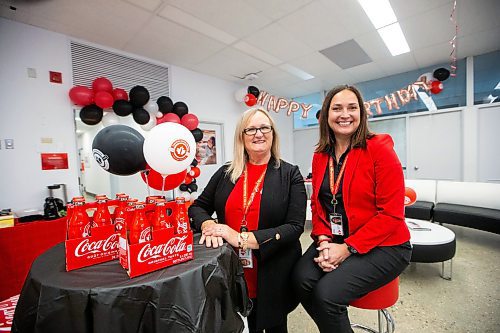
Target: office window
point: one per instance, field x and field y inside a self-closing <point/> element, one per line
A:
<point x="487" y="78"/>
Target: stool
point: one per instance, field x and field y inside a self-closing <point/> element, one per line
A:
<point x="380" y="299"/>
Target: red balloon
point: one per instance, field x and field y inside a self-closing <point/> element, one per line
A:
<point x="155" y="179"/>
<point x="81" y="95"/>
<point x="195" y="172"/>
<point x="169" y="118"/>
<point x="119" y="93"/>
<point x="410" y="196"/>
<point x="188" y="180"/>
<point x="190" y="121"/>
<point x="103" y="99"/>
<point x="436" y="87"/>
<point x="102" y="84"/>
<point x="250" y="100"/>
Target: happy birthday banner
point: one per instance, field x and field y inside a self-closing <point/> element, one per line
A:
<point x="393" y="100"/>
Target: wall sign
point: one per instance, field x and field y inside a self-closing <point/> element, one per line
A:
<point x="54" y="161"/>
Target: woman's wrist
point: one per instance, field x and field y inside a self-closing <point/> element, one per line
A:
<point x="323" y="238"/>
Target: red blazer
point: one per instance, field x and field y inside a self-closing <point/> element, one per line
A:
<point x="373" y="192"/>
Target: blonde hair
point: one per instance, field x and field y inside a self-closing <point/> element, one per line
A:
<point x="237" y="165"/>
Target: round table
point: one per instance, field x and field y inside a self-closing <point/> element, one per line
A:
<point x="432" y="243"/>
<point x="201" y="295"/>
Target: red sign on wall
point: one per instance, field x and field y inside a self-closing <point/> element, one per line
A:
<point x="54" y="161"/>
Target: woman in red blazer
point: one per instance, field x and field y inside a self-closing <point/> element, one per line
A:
<point x="361" y="241"/>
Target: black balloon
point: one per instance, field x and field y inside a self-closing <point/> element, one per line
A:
<point x="254" y="91"/>
<point x="122" y="107"/>
<point x="118" y="150"/>
<point x="180" y="109"/>
<point x="141" y="116"/>
<point x="193" y="187"/>
<point x="183" y="187"/>
<point x="195" y="162"/>
<point x="165" y="104"/>
<point x="317" y="114"/>
<point x="138" y="96"/>
<point x="91" y="114"/>
<point x="198" y="134"/>
<point x="441" y="74"/>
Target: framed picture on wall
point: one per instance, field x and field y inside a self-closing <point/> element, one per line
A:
<point x="210" y="149"/>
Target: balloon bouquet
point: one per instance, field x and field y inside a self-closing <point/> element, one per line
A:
<point x="248" y="95"/>
<point x="165" y="158"/>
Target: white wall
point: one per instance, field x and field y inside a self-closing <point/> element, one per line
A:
<point x="34" y="108"/>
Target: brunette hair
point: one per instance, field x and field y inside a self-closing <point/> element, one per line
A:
<point x="326" y="141"/>
<point x="237" y="165"/>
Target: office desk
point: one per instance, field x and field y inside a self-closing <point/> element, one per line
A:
<point x="20" y="245"/>
<point x="201" y="295"/>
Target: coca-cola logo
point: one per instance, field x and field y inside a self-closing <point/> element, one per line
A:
<point x="174" y="245"/>
<point x="87" y="247"/>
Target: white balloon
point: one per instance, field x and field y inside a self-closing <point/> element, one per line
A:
<point x="110" y="118"/>
<point x="427" y="77"/>
<point x="159" y="114"/>
<point x="240" y="94"/>
<point x="151" y="107"/>
<point x="186" y="196"/>
<point x="150" y="124"/>
<point x="169" y="148"/>
<point x="194" y="196"/>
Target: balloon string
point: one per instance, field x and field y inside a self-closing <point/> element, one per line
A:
<point x="146" y="172"/>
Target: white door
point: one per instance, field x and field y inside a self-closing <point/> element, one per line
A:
<point x="488" y="139"/>
<point x="435" y="146"/>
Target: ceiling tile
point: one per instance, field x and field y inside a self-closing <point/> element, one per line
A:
<point x="277" y="9"/>
<point x="275" y="77"/>
<point x="149" y="5"/>
<point x="315" y="64"/>
<point x="398" y="64"/>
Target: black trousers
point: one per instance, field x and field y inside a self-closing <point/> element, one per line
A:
<point x="252" y="322"/>
<point x="325" y="296"/>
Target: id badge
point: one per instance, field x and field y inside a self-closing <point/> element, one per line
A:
<point x="336" y="224"/>
<point x="246" y="258"/>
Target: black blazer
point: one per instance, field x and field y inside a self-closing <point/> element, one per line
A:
<point x="281" y="222"/>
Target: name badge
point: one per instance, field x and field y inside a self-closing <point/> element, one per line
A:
<point x="246" y="258"/>
<point x="336" y="224"/>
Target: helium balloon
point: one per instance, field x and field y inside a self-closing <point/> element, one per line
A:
<point x="250" y="100"/>
<point x="150" y="124"/>
<point x="91" y="114"/>
<point x="410" y="196"/>
<point x="198" y="134"/>
<point x="180" y="109"/>
<point x="155" y="180"/>
<point x="169" y="148"/>
<point x="141" y="116"/>
<point x="254" y="91"/>
<point x="103" y="99"/>
<point x="190" y="121"/>
<point x="436" y="87"/>
<point x="139" y="96"/>
<point x="118" y="149"/>
<point x="122" y="108"/>
<point x="183" y="187"/>
<point x="441" y="74"/>
<point x="165" y="104"/>
<point x="109" y="119"/>
<point x="152" y="108"/>
<point x="192" y="187"/>
<point x="188" y="180"/>
<point x="81" y="95"/>
<point x="194" y="172"/>
<point x="195" y="162"/>
<point x="119" y="93"/>
<point x="169" y="118"/>
<point x="239" y="95"/>
<point x="102" y="84"/>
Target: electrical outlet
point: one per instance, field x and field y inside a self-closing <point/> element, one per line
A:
<point x="31" y="73"/>
<point x="9" y="143"/>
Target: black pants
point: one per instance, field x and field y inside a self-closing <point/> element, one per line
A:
<point x="252" y="322"/>
<point x="325" y="296"/>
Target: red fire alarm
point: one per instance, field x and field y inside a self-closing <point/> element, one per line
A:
<point x="55" y="77"/>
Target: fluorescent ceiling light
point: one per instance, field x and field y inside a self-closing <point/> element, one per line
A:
<point x="394" y="39"/>
<point x="379" y="12"/>
<point x="257" y="53"/>
<point x="296" y="71"/>
<point x="176" y="15"/>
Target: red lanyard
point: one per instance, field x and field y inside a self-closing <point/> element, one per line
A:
<point x="246" y="204"/>
<point x="334" y="187"/>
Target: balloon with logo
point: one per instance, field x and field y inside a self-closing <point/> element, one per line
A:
<point x="118" y="150"/>
<point x="169" y="148"/>
<point x="410" y="196"/>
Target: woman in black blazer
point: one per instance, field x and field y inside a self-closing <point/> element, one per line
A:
<point x="260" y="201"/>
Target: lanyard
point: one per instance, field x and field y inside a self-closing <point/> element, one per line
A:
<point x="335" y="184"/>
<point x="246" y="204"/>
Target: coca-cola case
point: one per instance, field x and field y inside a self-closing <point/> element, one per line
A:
<point x="165" y="249"/>
<point x="100" y="247"/>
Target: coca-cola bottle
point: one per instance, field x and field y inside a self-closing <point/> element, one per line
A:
<point x="78" y="223"/>
<point x="101" y="215"/>
<point x="181" y="216"/>
<point x="160" y="218"/>
<point x="120" y="214"/>
<point x="140" y="230"/>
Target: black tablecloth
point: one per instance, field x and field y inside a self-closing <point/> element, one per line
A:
<point x="201" y="295"/>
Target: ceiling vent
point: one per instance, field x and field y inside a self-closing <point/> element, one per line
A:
<point x="347" y="54"/>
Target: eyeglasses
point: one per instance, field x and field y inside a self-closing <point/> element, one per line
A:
<point x="252" y="130"/>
